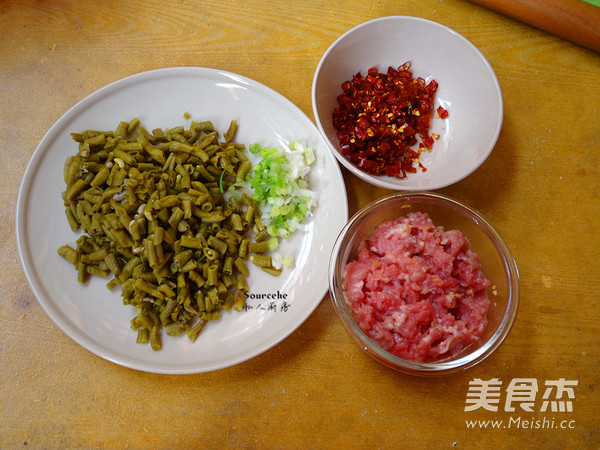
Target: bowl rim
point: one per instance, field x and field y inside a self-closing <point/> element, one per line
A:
<point x="382" y="180"/>
<point x="442" y="367"/>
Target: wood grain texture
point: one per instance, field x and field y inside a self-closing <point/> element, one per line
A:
<point x="540" y="187"/>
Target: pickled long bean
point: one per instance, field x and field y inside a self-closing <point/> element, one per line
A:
<point x="153" y="215"/>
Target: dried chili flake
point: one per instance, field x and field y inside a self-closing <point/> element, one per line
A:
<point x="442" y="113"/>
<point x="382" y="117"/>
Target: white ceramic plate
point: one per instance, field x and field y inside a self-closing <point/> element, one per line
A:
<point x="94" y="316"/>
<point x="468" y="89"/>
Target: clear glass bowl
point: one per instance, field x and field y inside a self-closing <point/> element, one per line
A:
<point x="497" y="262"/>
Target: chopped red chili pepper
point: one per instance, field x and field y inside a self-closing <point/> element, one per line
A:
<point x="442" y="113"/>
<point x="379" y="118"/>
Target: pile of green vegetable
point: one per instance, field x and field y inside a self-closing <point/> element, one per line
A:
<point x="279" y="181"/>
<point x="164" y="213"/>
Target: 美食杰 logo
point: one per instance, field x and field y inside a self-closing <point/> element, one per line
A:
<point x="551" y="402"/>
<point x="557" y="396"/>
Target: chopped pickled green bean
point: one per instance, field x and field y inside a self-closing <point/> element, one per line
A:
<point x="161" y="215"/>
<point x="230" y="133"/>
<point x="262" y="260"/>
<point x="69" y="254"/>
<point x="272" y="271"/>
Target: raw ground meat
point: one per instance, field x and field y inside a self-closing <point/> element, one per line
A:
<point x="417" y="290"/>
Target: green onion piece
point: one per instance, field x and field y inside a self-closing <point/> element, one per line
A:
<point x="279" y="180"/>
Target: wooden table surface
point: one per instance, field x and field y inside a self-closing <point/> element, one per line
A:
<point x="540" y="187"/>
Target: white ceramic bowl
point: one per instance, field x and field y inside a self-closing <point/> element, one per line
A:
<point x="468" y="89"/>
